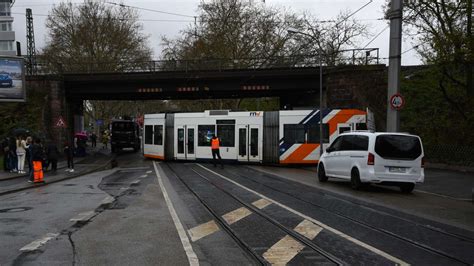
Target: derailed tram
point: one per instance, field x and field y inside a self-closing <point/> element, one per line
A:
<point x="273" y="137"/>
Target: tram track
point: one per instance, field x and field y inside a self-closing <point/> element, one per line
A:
<point x="378" y="229"/>
<point x="222" y="223"/>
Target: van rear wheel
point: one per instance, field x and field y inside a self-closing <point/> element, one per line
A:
<point x="322" y="173"/>
<point x="356" y="184"/>
<point x="407" y="187"/>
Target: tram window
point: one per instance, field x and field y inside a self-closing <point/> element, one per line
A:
<point x="226" y="134"/>
<point x="313" y="133"/>
<point x="148" y="134"/>
<point x="205" y="133"/>
<point x="158" y="136"/>
<point x="293" y="133"/>
<point x="254" y="141"/>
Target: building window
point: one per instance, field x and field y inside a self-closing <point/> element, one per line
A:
<point x="5" y="26"/>
<point x="6" y="45"/>
<point x="5" y="9"/>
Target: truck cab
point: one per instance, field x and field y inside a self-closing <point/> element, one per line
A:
<point x="124" y="134"/>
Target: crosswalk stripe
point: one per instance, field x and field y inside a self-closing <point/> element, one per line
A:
<point x="308" y="229"/>
<point x="202" y="230"/>
<point x="236" y="215"/>
<point x="261" y="203"/>
<point x="283" y="251"/>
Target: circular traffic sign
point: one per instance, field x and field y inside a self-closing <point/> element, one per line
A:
<point x="397" y="101"/>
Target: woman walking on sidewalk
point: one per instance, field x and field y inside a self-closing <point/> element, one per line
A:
<point x="21" y="154"/>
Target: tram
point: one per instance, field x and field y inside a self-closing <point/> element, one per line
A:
<point x="274" y="137"/>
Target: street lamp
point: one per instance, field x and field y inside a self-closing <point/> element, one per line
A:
<point x="320" y="90"/>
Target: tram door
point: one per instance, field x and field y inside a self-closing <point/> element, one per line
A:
<point x="249" y="150"/>
<point x="186" y="142"/>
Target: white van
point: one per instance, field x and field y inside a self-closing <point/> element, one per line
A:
<point x="381" y="158"/>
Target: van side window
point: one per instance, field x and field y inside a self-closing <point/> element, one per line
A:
<point x="336" y="145"/>
<point x="346" y="143"/>
<point x="360" y="143"/>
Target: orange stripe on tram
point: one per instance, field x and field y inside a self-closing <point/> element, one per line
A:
<point x="300" y="153"/>
<point x="342" y="117"/>
<point x="154" y="156"/>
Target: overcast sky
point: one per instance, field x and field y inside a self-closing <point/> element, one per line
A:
<point x="323" y="9"/>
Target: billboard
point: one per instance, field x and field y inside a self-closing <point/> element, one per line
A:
<point x="12" y="79"/>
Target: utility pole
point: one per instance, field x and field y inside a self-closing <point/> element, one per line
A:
<point x="470" y="55"/>
<point x="30" y="44"/>
<point x="394" y="66"/>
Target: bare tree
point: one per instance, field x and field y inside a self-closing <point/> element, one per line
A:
<point x="94" y="37"/>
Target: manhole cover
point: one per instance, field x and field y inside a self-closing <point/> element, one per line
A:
<point x="17" y="209"/>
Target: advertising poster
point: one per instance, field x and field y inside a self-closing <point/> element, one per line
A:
<point x="12" y="79"/>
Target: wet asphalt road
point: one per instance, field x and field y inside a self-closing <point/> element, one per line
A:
<point x="232" y="216"/>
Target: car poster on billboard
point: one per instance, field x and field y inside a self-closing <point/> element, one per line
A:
<point x="12" y="79"/>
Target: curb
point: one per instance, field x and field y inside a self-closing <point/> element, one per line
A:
<point x="104" y="166"/>
<point x="442" y="166"/>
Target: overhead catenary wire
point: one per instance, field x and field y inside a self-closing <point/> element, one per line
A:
<point x="151" y="10"/>
<point x="376" y="36"/>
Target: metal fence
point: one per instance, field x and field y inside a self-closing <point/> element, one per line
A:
<point x="366" y="56"/>
<point x="450" y="154"/>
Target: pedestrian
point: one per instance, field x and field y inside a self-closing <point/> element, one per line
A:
<point x="13" y="160"/>
<point x="37" y="155"/>
<point x="215" y="145"/>
<point x="29" y="157"/>
<point x="94" y="140"/>
<point x="105" y="139"/>
<point x="6" y="151"/>
<point x="21" y="154"/>
<point x="69" y="152"/>
<point x="52" y="154"/>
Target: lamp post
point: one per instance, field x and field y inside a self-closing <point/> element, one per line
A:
<point x="320" y="90"/>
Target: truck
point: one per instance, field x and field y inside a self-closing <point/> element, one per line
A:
<point x="124" y="134"/>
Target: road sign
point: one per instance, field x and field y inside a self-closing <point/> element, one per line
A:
<point x="60" y="123"/>
<point x="99" y="122"/>
<point x="397" y="101"/>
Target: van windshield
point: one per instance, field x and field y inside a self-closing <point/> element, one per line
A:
<point x="398" y="147"/>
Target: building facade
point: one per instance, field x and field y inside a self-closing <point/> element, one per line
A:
<point x="7" y="35"/>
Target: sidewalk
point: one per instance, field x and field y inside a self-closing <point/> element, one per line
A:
<point x="96" y="159"/>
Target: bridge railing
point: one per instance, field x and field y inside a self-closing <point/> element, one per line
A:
<point x="352" y="57"/>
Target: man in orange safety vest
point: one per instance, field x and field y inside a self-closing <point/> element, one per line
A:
<point x="215" y="144"/>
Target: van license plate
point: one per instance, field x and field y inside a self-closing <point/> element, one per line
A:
<point x="397" y="169"/>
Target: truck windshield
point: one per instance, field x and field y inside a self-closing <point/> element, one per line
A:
<point x="398" y="147"/>
<point x="122" y="126"/>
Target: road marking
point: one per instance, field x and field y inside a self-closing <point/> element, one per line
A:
<point x="135" y="183"/>
<point x="444" y="196"/>
<point x="236" y="215"/>
<point x="203" y="230"/>
<point x="188" y="248"/>
<point x="261" y="203"/>
<point x="38" y="243"/>
<point x="308" y="229"/>
<point x="83" y="217"/>
<point x="283" y="251"/>
<point x="333" y="230"/>
<point x="149" y="172"/>
<point x="143" y="176"/>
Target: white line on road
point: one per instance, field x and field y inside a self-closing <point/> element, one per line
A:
<point x="149" y="172"/>
<point x="135" y="183"/>
<point x="38" y="243"/>
<point x="143" y="176"/>
<point x="335" y="231"/>
<point x="188" y="248"/>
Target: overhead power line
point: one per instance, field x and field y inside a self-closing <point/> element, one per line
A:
<point x="376" y="36"/>
<point x="355" y="12"/>
<point x="151" y="10"/>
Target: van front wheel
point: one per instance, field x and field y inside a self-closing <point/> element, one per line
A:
<point x="355" y="179"/>
<point x="407" y="187"/>
<point x="322" y="173"/>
